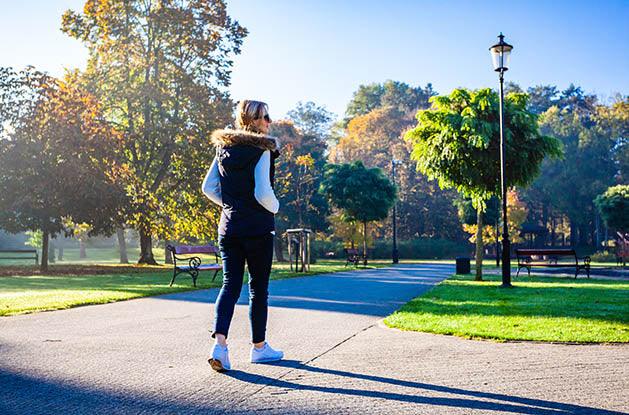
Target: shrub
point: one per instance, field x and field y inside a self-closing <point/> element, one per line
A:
<point x="603" y="256"/>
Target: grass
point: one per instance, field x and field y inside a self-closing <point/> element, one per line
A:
<point x="24" y="290"/>
<point x="547" y="309"/>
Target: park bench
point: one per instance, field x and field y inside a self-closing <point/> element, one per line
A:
<point x="20" y="254"/>
<point x="354" y="256"/>
<point x="528" y="258"/>
<point x="192" y="264"/>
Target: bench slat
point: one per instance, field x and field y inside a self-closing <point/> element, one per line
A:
<point x="202" y="249"/>
<point x="21" y="257"/>
<point x="545" y="252"/>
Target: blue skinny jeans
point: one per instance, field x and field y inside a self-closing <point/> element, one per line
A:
<point x="257" y="252"/>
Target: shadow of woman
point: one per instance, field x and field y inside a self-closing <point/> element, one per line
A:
<point x="471" y="399"/>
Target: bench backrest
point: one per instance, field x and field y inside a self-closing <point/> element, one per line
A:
<point x="528" y="252"/>
<point x="19" y="251"/>
<point x="194" y="249"/>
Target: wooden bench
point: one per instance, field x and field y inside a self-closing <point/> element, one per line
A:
<point x="352" y="256"/>
<point x="32" y="254"/>
<point x="549" y="258"/>
<point x="355" y="256"/>
<point x="193" y="264"/>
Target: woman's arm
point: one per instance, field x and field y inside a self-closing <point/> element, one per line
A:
<point x="212" y="184"/>
<point x="263" y="191"/>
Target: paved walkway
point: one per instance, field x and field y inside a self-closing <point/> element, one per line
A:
<point x="149" y="356"/>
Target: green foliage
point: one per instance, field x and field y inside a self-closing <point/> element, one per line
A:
<point x="394" y="94"/>
<point x="457" y="142"/>
<point x="467" y="212"/>
<point x="603" y="256"/>
<point x="589" y="138"/>
<point x="363" y="194"/>
<point x="613" y="206"/>
<point x="421" y="248"/>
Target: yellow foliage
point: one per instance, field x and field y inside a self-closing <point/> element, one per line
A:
<point x="517" y="213"/>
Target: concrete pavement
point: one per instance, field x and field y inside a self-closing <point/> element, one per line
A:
<point x="149" y="356"/>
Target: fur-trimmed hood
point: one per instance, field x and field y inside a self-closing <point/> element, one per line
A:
<point x="229" y="138"/>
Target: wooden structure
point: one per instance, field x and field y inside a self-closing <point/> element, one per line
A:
<point x="299" y="249"/>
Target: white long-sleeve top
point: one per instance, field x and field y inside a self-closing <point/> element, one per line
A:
<point x="263" y="191"/>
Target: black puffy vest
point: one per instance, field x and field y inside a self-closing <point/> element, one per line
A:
<point x="242" y="215"/>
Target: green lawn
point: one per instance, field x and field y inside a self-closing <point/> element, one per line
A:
<point x="21" y="294"/>
<point x="538" y="308"/>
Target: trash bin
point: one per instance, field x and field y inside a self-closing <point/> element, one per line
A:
<point x="462" y="265"/>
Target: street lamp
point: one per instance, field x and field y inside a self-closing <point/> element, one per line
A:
<point x="500" y="53"/>
<point x="395" y="256"/>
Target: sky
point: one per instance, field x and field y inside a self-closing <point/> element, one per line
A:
<point x="322" y="50"/>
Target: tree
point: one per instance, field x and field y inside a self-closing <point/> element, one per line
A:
<point x="613" y="206"/>
<point x="161" y="69"/>
<point x="56" y="156"/>
<point x="299" y="172"/>
<point x="588" y="165"/>
<point x="312" y="120"/>
<point x="362" y="194"/>
<point x="377" y="137"/>
<point x="398" y="95"/>
<point x="456" y="142"/>
<point x="491" y="217"/>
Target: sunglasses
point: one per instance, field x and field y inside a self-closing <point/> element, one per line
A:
<point x="266" y="118"/>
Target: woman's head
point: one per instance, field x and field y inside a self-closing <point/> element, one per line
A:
<point x="253" y="116"/>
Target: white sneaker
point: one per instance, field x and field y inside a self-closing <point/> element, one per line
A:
<point x="220" y="358"/>
<point x="265" y="354"/>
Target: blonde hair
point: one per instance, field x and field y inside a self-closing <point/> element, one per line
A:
<point x="247" y="112"/>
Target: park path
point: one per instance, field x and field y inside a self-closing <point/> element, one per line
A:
<point x="149" y="356"/>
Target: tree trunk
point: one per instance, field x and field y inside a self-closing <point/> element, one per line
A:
<point x="122" y="246"/>
<point x="168" y="255"/>
<point x="574" y="237"/>
<point x="44" y="251"/>
<point x="146" y="249"/>
<point x="51" y="252"/>
<point x="553" y="226"/>
<point x="82" y="253"/>
<point x="278" y="247"/>
<point x="497" y="244"/>
<point x="365" y="243"/>
<point x="479" y="244"/>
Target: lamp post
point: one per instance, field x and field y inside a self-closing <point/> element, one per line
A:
<point x="500" y="53"/>
<point x="395" y="256"/>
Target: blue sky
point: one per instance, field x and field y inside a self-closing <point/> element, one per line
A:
<point x="323" y="50"/>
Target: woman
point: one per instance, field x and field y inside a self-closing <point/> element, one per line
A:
<point x="240" y="181"/>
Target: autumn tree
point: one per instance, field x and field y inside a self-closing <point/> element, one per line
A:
<point x="299" y="172"/>
<point x="457" y="143"/>
<point x="376" y="138"/>
<point x="161" y="69"/>
<point x="56" y="156"/>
